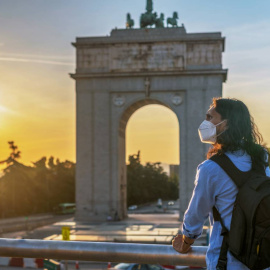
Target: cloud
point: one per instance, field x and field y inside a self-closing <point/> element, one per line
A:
<point x="247" y="58"/>
<point x="252" y="33"/>
<point x="36" y="56"/>
<point x="38" y="61"/>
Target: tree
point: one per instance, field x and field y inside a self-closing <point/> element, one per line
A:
<point x="26" y="190"/>
<point x="14" y="155"/>
<point x="149" y="182"/>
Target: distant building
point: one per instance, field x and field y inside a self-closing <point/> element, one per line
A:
<point x="165" y="167"/>
<point x="174" y="169"/>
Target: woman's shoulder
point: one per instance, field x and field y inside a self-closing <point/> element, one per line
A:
<point x="208" y="166"/>
<point x="209" y="173"/>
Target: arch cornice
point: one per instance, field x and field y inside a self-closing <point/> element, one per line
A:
<point x="201" y="72"/>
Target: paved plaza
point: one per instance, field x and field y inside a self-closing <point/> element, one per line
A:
<point x="155" y="228"/>
<point x="137" y="228"/>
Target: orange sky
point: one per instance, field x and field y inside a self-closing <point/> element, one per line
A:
<point x="37" y="110"/>
<point x="38" y="113"/>
<point x="154" y="130"/>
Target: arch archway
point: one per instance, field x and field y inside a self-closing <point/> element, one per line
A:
<point x="125" y="118"/>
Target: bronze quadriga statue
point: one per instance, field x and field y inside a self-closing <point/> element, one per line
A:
<point x="150" y="18"/>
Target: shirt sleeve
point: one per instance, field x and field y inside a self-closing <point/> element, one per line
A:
<point x="200" y="205"/>
<point x="267" y="170"/>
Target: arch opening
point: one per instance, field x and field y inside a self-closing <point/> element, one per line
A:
<point x="157" y="128"/>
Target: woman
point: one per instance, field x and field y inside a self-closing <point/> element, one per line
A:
<point x="231" y="130"/>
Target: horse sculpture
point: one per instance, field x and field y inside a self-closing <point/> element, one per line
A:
<point x="130" y="22"/>
<point x="159" y="22"/>
<point x="173" y="20"/>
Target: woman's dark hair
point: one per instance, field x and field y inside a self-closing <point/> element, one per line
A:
<point x="241" y="133"/>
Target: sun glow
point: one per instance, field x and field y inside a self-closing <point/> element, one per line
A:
<point x="3" y="109"/>
<point x="154" y="130"/>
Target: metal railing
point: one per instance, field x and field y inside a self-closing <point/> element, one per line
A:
<point x="101" y="252"/>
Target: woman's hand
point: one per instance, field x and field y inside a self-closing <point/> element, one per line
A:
<point x="182" y="243"/>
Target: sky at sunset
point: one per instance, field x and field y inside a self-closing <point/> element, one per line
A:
<point x="37" y="96"/>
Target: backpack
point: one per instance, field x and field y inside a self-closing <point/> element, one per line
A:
<point x="249" y="237"/>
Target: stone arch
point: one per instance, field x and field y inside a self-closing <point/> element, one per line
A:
<point x="134" y="106"/>
<point x="117" y="74"/>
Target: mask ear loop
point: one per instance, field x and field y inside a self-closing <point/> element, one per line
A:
<point x="224" y="129"/>
<point x="220" y="122"/>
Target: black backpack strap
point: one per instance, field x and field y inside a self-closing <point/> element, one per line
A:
<point x="238" y="177"/>
<point x="222" y="260"/>
<point x="258" y="168"/>
<point x="233" y="172"/>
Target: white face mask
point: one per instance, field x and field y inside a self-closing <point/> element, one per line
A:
<point x="208" y="132"/>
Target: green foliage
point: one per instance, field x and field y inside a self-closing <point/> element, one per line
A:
<point x="15" y="154"/>
<point x="148" y="183"/>
<point x="26" y="190"/>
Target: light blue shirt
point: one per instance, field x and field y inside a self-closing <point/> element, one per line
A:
<point x="213" y="187"/>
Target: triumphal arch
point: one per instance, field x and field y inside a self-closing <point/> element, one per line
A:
<point x="118" y="74"/>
